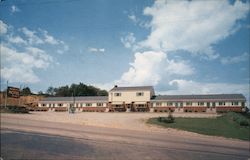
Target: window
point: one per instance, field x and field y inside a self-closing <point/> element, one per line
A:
<point x="200" y="103"/>
<point x="235" y="103"/>
<point x="158" y="104"/>
<point x="176" y="104"/>
<point x="53" y="105"/>
<point x="60" y="104"/>
<point x="141" y="105"/>
<point x="88" y="104"/>
<point x="99" y="104"/>
<point x="44" y="105"/>
<point x="169" y="103"/>
<point x="214" y="104"/>
<point x="118" y="94"/>
<point x="242" y="104"/>
<point x="222" y="104"/>
<point x="188" y="103"/>
<point x="181" y="104"/>
<point x="139" y="94"/>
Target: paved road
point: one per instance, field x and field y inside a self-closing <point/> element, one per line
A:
<point x="25" y="139"/>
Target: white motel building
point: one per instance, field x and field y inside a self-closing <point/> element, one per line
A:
<point x="143" y="99"/>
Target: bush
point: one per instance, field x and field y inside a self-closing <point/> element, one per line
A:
<point x="239" y="118"/>
<point x="169" y="119"/>
<point x="244" y="123"/>
<point x="14" y="109"/>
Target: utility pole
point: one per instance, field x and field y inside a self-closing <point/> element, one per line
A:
<point x="19" y="95"/>
<point x="6" y="95"/>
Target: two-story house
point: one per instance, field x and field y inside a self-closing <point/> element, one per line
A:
<point x="130" y="98"/>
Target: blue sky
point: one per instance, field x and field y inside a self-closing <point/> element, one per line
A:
<point x="180" y="47"/>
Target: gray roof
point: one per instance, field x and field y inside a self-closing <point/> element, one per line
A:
<point x="132" y="88"/>
<point x="70" y="99"/>
<point x="200" y="97"/>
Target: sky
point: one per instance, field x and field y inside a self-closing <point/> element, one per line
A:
<point x="179" y="47"/>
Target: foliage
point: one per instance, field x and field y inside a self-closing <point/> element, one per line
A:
<point x="221" y="126"/>
<point x="76" y="90"/>
<point x="26" y="91"/>
<point x="169" y="119"/>
<point x="14" y="109"/>
<point x="238" y="118"/>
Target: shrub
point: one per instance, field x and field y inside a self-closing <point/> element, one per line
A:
<point x="169" y="119"/>
<point x="15" y="109"/>
<point x="238" y="118"/>
<point x="244" y="123"/>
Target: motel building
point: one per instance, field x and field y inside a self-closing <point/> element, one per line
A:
<point x="143" y="99"/>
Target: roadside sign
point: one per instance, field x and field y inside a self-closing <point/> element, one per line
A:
<point x="13" y="92"/>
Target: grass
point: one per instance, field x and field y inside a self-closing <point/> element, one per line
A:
<point x="224" y="126"/>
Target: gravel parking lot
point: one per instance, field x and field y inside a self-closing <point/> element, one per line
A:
<point x="131" y="121"/>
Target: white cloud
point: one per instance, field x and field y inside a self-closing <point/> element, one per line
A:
<point x="16" y="40"/>
<point x="151" y="68"/>
<point x="50" y="39"/>
<point x="132" y="18"/>
<point x="32" y="37"/>
<point x="144" y="70"/>
<point x="18" y="66"/>
<point x="14" y="9"/>
<point x="3" y="27"/>
<point x="193" y="26"/>
<point x="129" y="40"/>
<point x="179" y="68"/>
<point x="19" y="74"/>
<point x="236" y="59"/>
<point x="22" y="57"/>
<point x="91" y="49"/>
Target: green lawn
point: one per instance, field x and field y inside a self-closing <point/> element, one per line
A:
<point x="224" y="126"/>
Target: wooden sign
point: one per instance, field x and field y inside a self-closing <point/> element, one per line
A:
<point x="13" y="92"/>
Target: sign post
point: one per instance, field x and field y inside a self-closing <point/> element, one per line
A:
<point x="6" y="96"/>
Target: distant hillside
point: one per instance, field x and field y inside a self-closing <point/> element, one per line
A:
<point x="30" y="100"/>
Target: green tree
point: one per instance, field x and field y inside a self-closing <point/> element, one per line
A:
<point x="50" y="91"/>
<point x="26" y="91"/>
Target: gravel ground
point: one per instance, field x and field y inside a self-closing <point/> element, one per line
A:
<point x="131" y="121"/>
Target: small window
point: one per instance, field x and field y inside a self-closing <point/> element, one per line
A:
<point x="60" y="105"/>
<point x="169" y="103"/>
<point x="235" y="103"/>
<point x="158" y="104"/>
<point x="53" y="105"/>
<point x="176" y="104"/>
<point x="99" y="104"/>
<point x="222" y="103"/>
<point x="118" y="94"/>
<point x="181" y="104"/>
<point x="139" y="94"/>
<point x="242" y="104"/>
<point x="189" y="103"/>
<point x="200" y="103"/>
<point x="88" y="104"/>
<point x="44" y="105"/>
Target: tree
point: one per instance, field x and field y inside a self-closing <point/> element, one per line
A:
<point x="51" y="91"/>
<point x="77" y="90"/>
<point x="102" y="93"/>
<point x="26" y="91"/>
